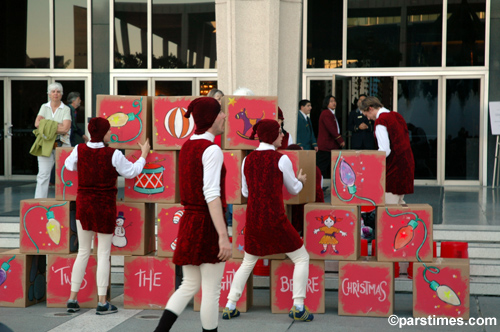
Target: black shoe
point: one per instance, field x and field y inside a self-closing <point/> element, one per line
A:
<point x="72" y="307"/>
<point x="106" y="309"/>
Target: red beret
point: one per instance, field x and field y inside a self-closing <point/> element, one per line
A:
<point x="294" y="147"/>
<point x="280" y="114"/>
<point x="267" y="130"/>
<point x="98" y="127"/>
<point x="205" y="111"/>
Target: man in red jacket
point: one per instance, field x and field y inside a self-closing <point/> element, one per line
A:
<point x="392" y="137"/>
<point x="329" y="137"/>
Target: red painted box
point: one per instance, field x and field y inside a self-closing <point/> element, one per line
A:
<point x="305" y="160"/>
<point x="445" y="293"/>
<point x="149" y="281"/>
<point x="402" y="230"/>
<point x="282" y="287"/>
<point x="22" y="279"/>
<point x="170" y="128"/>
<point x="358" y="177"/>
<point x="59" y="281"/>
<point x="66" y="181"/>
<point x="168" y="217"/>
<point x="134" y="230"/>
<point x="366" y="288"/>
<point x="232" y="161"/>
<point x="44" y="226"/>
<point x="246" y="299"/>
<point x="159" y="180"/>
<point x="239" y="222"/>
<point x="242" y="112"/>
<point x="129" y="117"/>
<point x="332" y="232"/>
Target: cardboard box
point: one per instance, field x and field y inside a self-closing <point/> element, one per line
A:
<point x="149" y="281"/>
<point x="66" y="181"/>
<point x="135" y="229"/>
<point x="239" y="223"/>
<point x="282" y="286"/>
<point x="242" y="112"/>
<point x="168" y="217"/>
<point x="446" y="293"/>
<point x="232" y="161"/>
<point x="366" y="288"/>
<point x="170" y="128"/>
<point x="22" y="279"/>
<point x="246" y="299"/>
<point x="44" y="226"/>
<point x="359" y="177"/>
<point x="59" y="273"/>
<point x="332" y="232"/>
<point x="159" y="180"/>
<point x="305" y="160"/>
<point x="130" y="119"/>
<point x="402" y="230"/>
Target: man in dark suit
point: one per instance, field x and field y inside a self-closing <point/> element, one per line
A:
<point x="74" y="102"/>
<point x="329" y="137"/>
<point x="305" y="133"/>
<point x="361" y="128"/>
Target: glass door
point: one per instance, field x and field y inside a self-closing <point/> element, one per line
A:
<point x="82" y="112"/>
<point x="4" y="129"/>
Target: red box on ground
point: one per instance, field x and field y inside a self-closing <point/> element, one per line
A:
<point x="59" y="272"/>
<point x="149" y="281"/>
<point x="445" y="293"/>
<point x="242" y="112"/>
<point x="246" y="299"/>
<point x="402" y="230"/>
<point x="232" y="161"/>
<point x="282" y="286"/>
<point x="22" y="279"/>
<point x="168" y="217"/>
<point x="358" y="178"/>
<point x="130" y="119"/>
<point x="66" y="181"/>
<point x="170" y="128"/>
<point x="305" y="160"/>
<point x="159" y="180"/>
<point x="332" y="232"/>
<point x="366" y="288"/>
<point x="44" y="226"/>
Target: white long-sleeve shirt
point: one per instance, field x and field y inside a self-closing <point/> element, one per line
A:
<point x="292" y="184"/>
<point x="124" y="167"/>
<point x="384" y="144"/>
<point x="212" y="160"/>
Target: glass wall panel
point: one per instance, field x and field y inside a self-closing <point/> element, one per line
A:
<point x="462" y="129"/>
<point x="130" y="35"/>
<point x="418" y="104"/>
<point x="465" y="32"/>
<point x="133" y="88"/>
<point x="76" y="86"/>
<point x="184" y="34"/>
<point x="324" y="33"/>
<point x="27" y="97"/>
<point x="319" y="89"/>
<point x="173" y="88"/>
<point x="2" y="131"/>
<point x="24" y="27"/>
<point x="70" y="28"/>
<point x="206" y="86"/>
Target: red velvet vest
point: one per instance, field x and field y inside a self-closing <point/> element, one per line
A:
<point x="197" y="240"/>
<point x="268" y="230"/>
<point x="96" y="197"/>
<point x="400" y="166"/>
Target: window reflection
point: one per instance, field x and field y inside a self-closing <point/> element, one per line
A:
<point x="418" y="104"/>
<point x="174" y="88"/>
<point x="462" y="129"/>
<point x="466" y="31"/>
<point x="206" y="86"/>
<point x="184" y="34"/>
<point x="133" y="88"/>
<point x="70" y="28"/>
<point x="319" y="90"/>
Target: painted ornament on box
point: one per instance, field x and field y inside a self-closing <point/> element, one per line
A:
<point x="348" y="179"/>
<point x="177" y="125"/>
<point x="121" y="120"/>
<point x="150" y="181"/>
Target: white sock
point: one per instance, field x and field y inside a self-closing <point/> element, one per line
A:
<point x="231" y="306"/>
<point x="299" y="307"/>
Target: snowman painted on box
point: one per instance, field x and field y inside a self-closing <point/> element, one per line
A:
<point x="119" y="240"/>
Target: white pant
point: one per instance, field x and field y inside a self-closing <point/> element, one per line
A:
<point x="103" y="261"/>
<point x="300" y="259"/>
<point x="390" y="198"/>
<point x="209" y="277"/>
<point x="45" y="165"/>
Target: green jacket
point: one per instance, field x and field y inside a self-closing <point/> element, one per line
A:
<point x="45" y="137"/>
